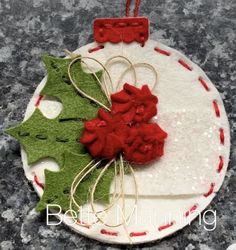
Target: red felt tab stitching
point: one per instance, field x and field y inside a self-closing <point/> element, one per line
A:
<point x="127" y="30"/>
<point x="110" y="233"/>
<point x="136" y="234"/>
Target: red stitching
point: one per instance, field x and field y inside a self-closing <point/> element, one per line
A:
<point x="135" y="24"/>
<point x="96" y="48"/>
<point x="221" y="164"/>
<point x="81" y="223"/>
<point x="110" y="233"/>
<point x="216" y="108"/>
<point x="222" y="136"/>
<point x="191" y="210"/>
<point x="123" y="25"/>
<point x="184" y="64"/>
<point x="161" y="51"/>
<point x="38" y="182"/>
<point x="119" y="25"/>
<point x="136" y="234"/>
<point x="210" y="190"/>
<point x="165" y="226"/>
<point x="108" y="25"/>
<point x="204" y="84"/>
<point x="39" y="99"/>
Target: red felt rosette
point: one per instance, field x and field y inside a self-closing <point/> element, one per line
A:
<point x="104" y="136"/>
<point x="144" y="143"/>
<point x="126" y="129"/>
<point x="133" y="104"/>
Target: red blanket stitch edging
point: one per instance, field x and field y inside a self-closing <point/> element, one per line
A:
<point x="221" y="159"/>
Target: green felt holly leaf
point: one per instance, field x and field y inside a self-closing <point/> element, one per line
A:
<point x="57" y="184"/>
<point x="59" y="138"/>
<point x="42" y="137"/>
<point x="58" y="85"/>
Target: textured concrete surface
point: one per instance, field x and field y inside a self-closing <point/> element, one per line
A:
<point x="205" y="30"/>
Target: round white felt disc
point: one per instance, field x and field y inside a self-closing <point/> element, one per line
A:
<point x="175" y="189"/>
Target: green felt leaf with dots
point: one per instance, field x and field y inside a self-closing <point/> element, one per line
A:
<point x="42" y="137"/>
<point x="58" y="85"/>
<point x="57" y="184"/>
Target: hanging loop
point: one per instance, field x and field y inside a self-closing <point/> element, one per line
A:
<point x="136" y="8"/>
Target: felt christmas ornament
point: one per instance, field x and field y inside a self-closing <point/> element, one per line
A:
<point x="126" y="132"/>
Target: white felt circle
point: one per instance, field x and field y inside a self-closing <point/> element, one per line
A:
<point x="175" y="189"/>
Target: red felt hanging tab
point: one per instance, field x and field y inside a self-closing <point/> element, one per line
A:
<point x="127" y="30"/>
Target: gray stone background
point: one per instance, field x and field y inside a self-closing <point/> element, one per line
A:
<point x="205" y="30"/>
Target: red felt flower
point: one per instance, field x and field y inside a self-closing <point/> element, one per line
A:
<point x="126" y="129"/>
<point x="104" y="136"/>
<point x="134" y="104"/>
<point x="144" y="143"/>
